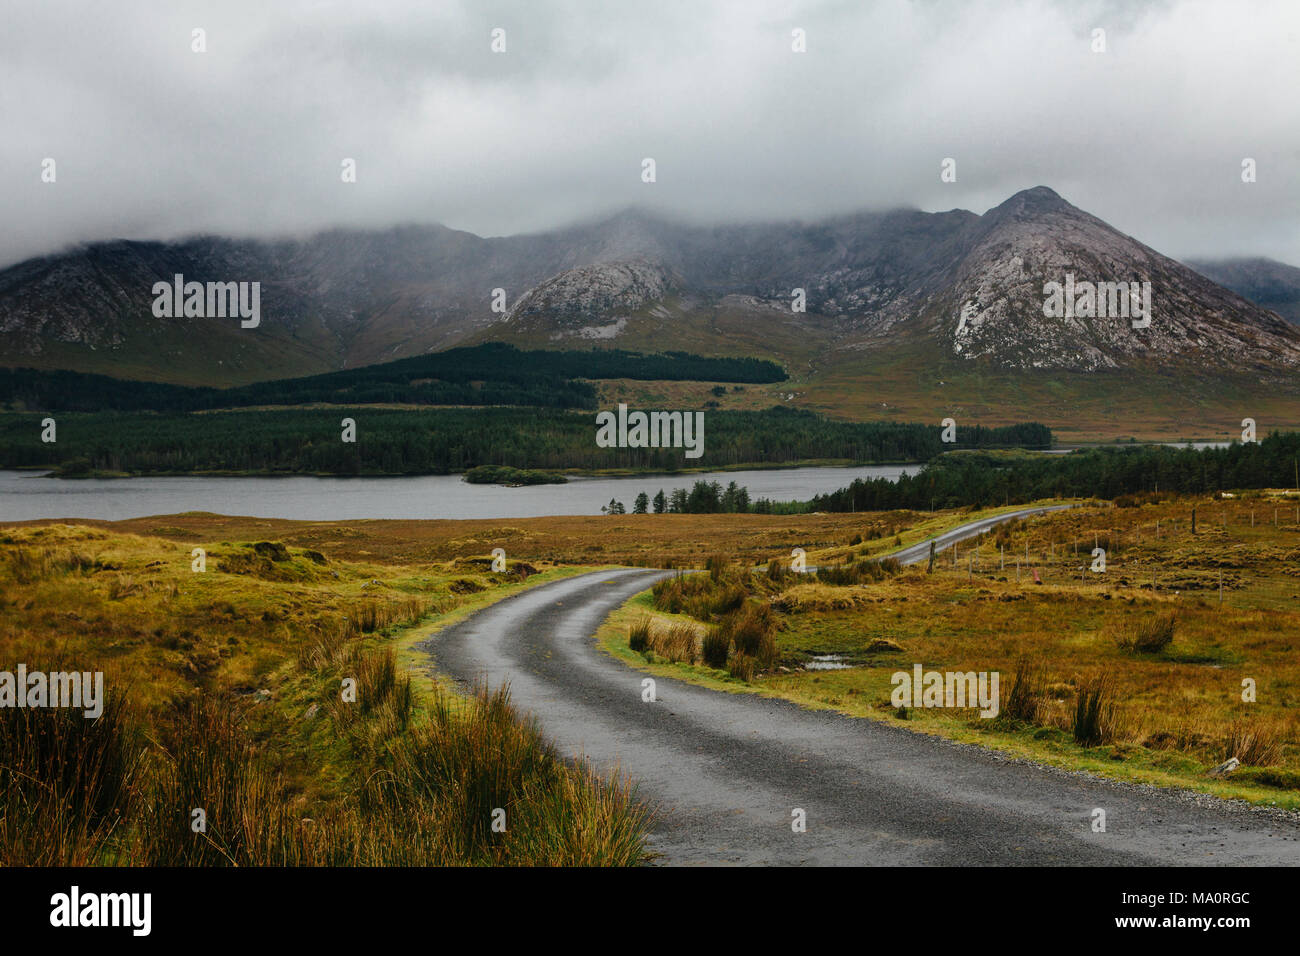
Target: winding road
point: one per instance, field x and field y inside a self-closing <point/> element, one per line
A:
<point x="724" y="772"/>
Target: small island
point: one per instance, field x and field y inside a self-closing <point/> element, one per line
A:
<point x="513" y="477"/>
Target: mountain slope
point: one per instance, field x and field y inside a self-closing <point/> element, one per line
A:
<point x="993" y="306"/>
<point x="951" y="290"/>
<point x="1273" y="285"/>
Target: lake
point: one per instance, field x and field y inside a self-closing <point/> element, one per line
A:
<point x="26" y="495"/>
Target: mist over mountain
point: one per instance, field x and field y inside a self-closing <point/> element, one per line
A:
<point x="1266" y="282"/>
<point x="970" y="286"/>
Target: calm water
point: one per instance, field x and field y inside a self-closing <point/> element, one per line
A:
<point x="27" y="495"/>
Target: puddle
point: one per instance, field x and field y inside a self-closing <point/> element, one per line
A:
<point x="827" y="662"/>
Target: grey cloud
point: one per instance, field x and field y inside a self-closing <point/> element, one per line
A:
<point x="153" y="141"/>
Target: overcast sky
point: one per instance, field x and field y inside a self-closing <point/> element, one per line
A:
<point x="153" y="140"/>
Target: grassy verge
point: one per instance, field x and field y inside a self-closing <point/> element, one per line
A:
<point x="262" y="712"/>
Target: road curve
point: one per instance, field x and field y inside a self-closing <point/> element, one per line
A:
<point x="920" y="552"/>
<point x="725" y="771"/>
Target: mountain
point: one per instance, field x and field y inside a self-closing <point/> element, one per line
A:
<point x="1273" y="285"/>
<point x="992" y="303"/>
<point x="968" y="286"/>
<point x="339" y="299"/>
<point x="952" y="290"/>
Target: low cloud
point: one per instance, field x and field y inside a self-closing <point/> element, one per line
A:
<point x="152" y="140"/>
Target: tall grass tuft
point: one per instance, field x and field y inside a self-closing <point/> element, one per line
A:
<point x="1095" y="713"/>
<point x="65" y="783"/>
<point x="1151" y="635"/>
<point x="741" y="667"/>
<point x="1025" y="700"/>
<point x="700" y="595"/>
<point x="1254" y="743"/>
<point x="777" y="572"/>
<point x="678" y="642"/>
<point x="377" y="614"/>
<point x="474" y="758"/>
<point x="751" y="630"/>
<point x="638" y="635"/>
<point x="717" y="645"/>
<point x="859" y="572"/>
<point x="207" y="762"/>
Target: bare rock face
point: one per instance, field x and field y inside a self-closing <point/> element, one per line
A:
<point x="607" y="294"/>
<point x="995" y="307"/>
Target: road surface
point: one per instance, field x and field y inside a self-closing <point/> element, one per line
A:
<point x="725" y="771"/>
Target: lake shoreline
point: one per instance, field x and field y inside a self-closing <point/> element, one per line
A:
<point x="338" y="498"/>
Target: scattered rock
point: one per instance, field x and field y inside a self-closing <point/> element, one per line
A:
<point x="261" y="696"/>
<point x="1225" y="768"/>
<point x="311" y="712"/>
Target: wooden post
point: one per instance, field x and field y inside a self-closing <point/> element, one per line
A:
<point x="1193" y="519"/>
<point x="930" y="569"/>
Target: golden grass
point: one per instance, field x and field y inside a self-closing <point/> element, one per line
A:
<point x="1167" y="713"/>
<point x="229" y="695"/>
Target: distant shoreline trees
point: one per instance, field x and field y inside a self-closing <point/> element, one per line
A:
<point x="978" y="479"/>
